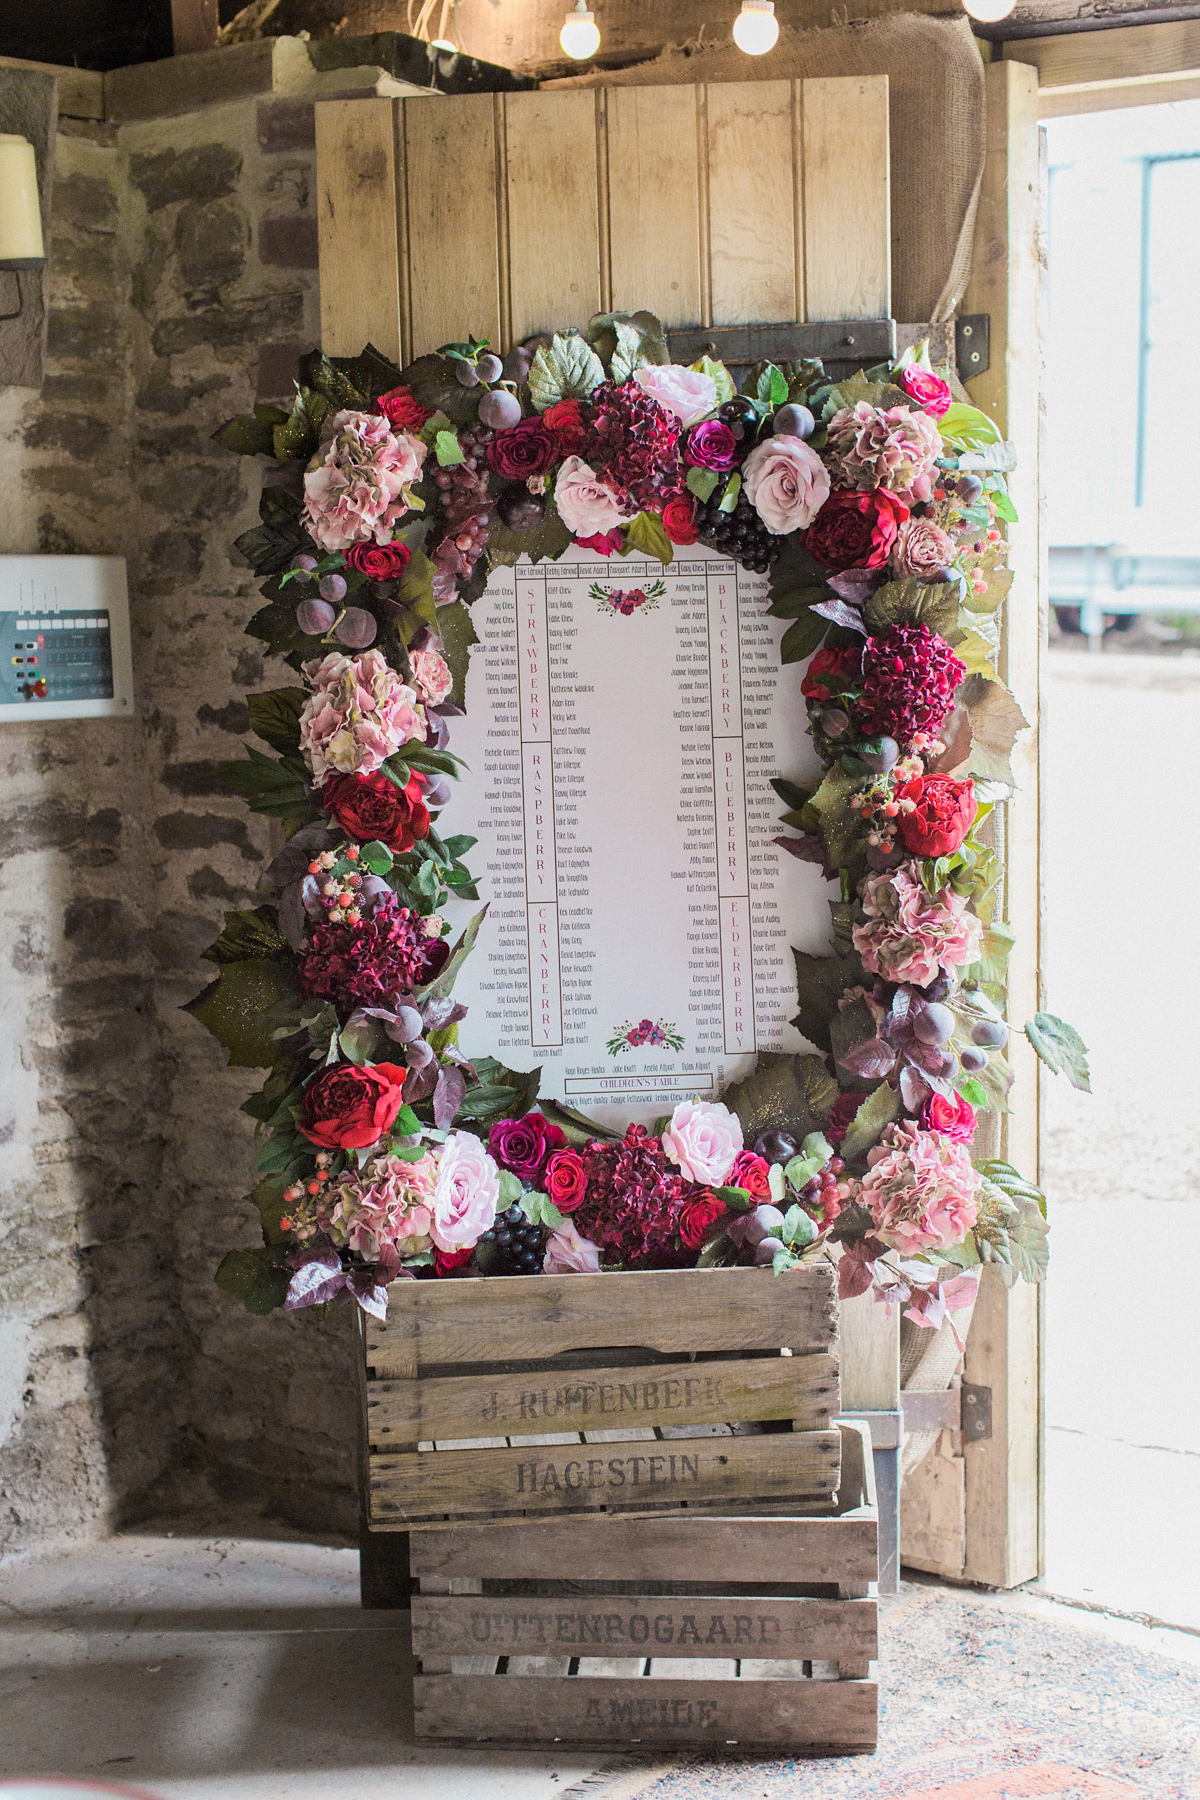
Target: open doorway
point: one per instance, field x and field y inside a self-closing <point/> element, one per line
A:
<point x="1122" y="858"/>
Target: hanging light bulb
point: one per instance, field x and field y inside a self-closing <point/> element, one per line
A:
<point x="580" y="37"/>
<point x="756" y="29"/>
<point x="988" y="11"/>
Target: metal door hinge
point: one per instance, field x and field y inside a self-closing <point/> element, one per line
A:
<point x="976" y="1412"/>
<point x="972" y="340"/>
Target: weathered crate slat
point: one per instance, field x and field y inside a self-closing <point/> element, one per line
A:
<point x="681" y="1310"/>
<point x="804" y="1389"/>
<point x="548" y="1478"/>
<point x="793" y="1715"/>
<point x="663" y="1626"/>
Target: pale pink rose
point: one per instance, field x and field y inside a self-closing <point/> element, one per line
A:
<point x="356" y="486"/>
<point x="588" y="507"/>
<point x="921" y="549"/>
<point x="569" y="1254"/>
<point x="786" y="483"/>
<point x="705" y="1139"/>
<point x="386" y="1202"/>
<point x="911" y="933"/>
<point x="920" y="1189"/>
<point x="358" y="714"/>
<point x="687" y="393"/>
<point x="431" y="672"/>
<point x="467" y="1193"/>
<point x="893" y="448"/>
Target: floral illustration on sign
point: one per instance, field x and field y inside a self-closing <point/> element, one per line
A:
<point x="877" y="505"/>
<point x="627" y="600"/>
<point x="653" y="1034"/>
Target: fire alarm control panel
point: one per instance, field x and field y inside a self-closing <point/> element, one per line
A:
<point x="64" y="638"/>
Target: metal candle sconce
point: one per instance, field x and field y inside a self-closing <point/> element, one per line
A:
<point x="21" y="242"/>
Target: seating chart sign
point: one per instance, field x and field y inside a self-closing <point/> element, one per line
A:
<point x="623" y="725"/>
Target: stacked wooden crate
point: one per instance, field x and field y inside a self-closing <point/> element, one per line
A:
<point x="613" y="1480"/>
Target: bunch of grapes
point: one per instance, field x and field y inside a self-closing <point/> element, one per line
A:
<point x="514" y="1246"/>
<point x="740" y="534"/>
<point x="466" y="504"/>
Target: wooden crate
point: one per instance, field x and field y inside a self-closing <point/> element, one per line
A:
<point x="655" y="1629"/>
<point x="542" y="1395"/>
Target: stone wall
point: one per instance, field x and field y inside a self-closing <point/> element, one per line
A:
<point x="183" y="267"/>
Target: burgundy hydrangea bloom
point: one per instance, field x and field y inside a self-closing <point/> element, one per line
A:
<point x="634" y="443"/>
<point x="634" y="1201"/>
<point x="370" y="962"/>
<point x="909" y="675"/>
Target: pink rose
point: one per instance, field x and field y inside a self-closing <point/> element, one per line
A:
<point x="911" y="934"/>
<point x="953" y="1118"/>
<point x="685" y="392"/>
<point x="569" y="1254"/>
<point x="893" y="448"/>
<point x="467" y="1193"/>
<point x="786" y="483"/>
<point x="921" y="549"/>
<point x="704" y="1138"/>
<point x="431" y="672"/>
<point x="920" y="1189"/>
<point x="356" y="486"/>
<point x="587" y="506"/>
<point x="358" y="714"/>
<point x="929" y="391"/>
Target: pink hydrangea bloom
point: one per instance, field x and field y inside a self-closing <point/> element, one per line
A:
<point x="705" y="1139"/>
<point x="358" y="714"/>
<point x="920" y="1189"/>
<point x="688" y="393"/>
<point x="892" y="447"/>
<point x="386" y="1202"/>
<point x="569" y="1254"/>
<point x="467" y="1193"/>
<point x="356" y="486"/>
<point x="431" y="672"/>
<point x="910" y="933"/>
<point x="588" y="506"/>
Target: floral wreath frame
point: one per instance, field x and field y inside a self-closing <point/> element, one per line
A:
<point x="876" y="505"/>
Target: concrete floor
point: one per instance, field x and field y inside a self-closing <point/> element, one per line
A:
<point x="1122" y="1167"/>
<point x="209" y="1669"/>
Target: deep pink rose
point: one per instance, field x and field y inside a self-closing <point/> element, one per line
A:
<point x="522" y="1145"/>
<point x="929" y="391"/>
<point x="527" y="449"/>
<point x="841" y="1116"/>
<point x="381" y="562"/>
<point x="752" y="1173"/>
<point x="603" y="542"/>
<point x="954" y="1118"/>
<point x="711" y="445"/>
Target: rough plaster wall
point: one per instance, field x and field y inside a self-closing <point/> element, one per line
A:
<point x="183" y="276"/>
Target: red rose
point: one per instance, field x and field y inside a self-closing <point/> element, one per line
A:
<point x="348" y="1108"/>
<point x="679" y="520"/>
<point x="942" y="816"/>
<point x="953" y="1118"/>
<point x="564" y="422"/>
<point x="401" y="411"/>
<point x="565" y="1179"/>
<point x="854" y="530"/>
<point x="929" y="391"/>
<point x="837" y="665"/>
<point x="372" y="808"/>
<point x="452" y="1262"/>
<point x="841" y="1116"/>
<point x="527" y="449"/>
<point x="752" y="1173"/>
<point x="699" y="1214"/>
<point x="382" y="562"/>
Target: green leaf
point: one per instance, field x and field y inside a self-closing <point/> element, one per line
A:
<point x="722" y="379"/>
<point x="500" y="1091"/>
<point x="736" y="1198"/>
<point x="487" y="1101"/>
<point x="458" y="635"/>
<point x="795" y="604"/>
<point x="803" y="636"/>
<point x="701" y="482"/>
<point x="646" y="533"/>
<point x="995" y="720"/>
<point x="612" y="336"/>
<point x="840" y="827"/>
<point x="275" y="717"/>
<point x="1011" y="1182"/>
<point x="298" y="434"/>
<point x="539" y="1209"/>
<point x="273" y="787"/>
<point x="876" y="1111"/>
<point x="961" y="424"/>
<point x="246" y="935"/>
<point x="258" y="1278"/>
<point x="913" y="602"/>
<point x="1061" y="1049"/>
<point x="975" y="653"/>
<point x="821" y="981"/>
<point x="971" y="1091"/>
<point x="729" y="498"/>
<point x="359" y="1039"/>
<point x="1004" y="507"/>
<point x="992" y="968"/>
<point x="798" y="1227"/>
<point x="240" y="1008"/>
<point x="270" y="548"/>
<point x="251" y="434"/>
<point x="577" y="1127"/>
<point x="448" y="450"/>
<point x="567" y="368"/>
<point x="784" y="1093"/>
